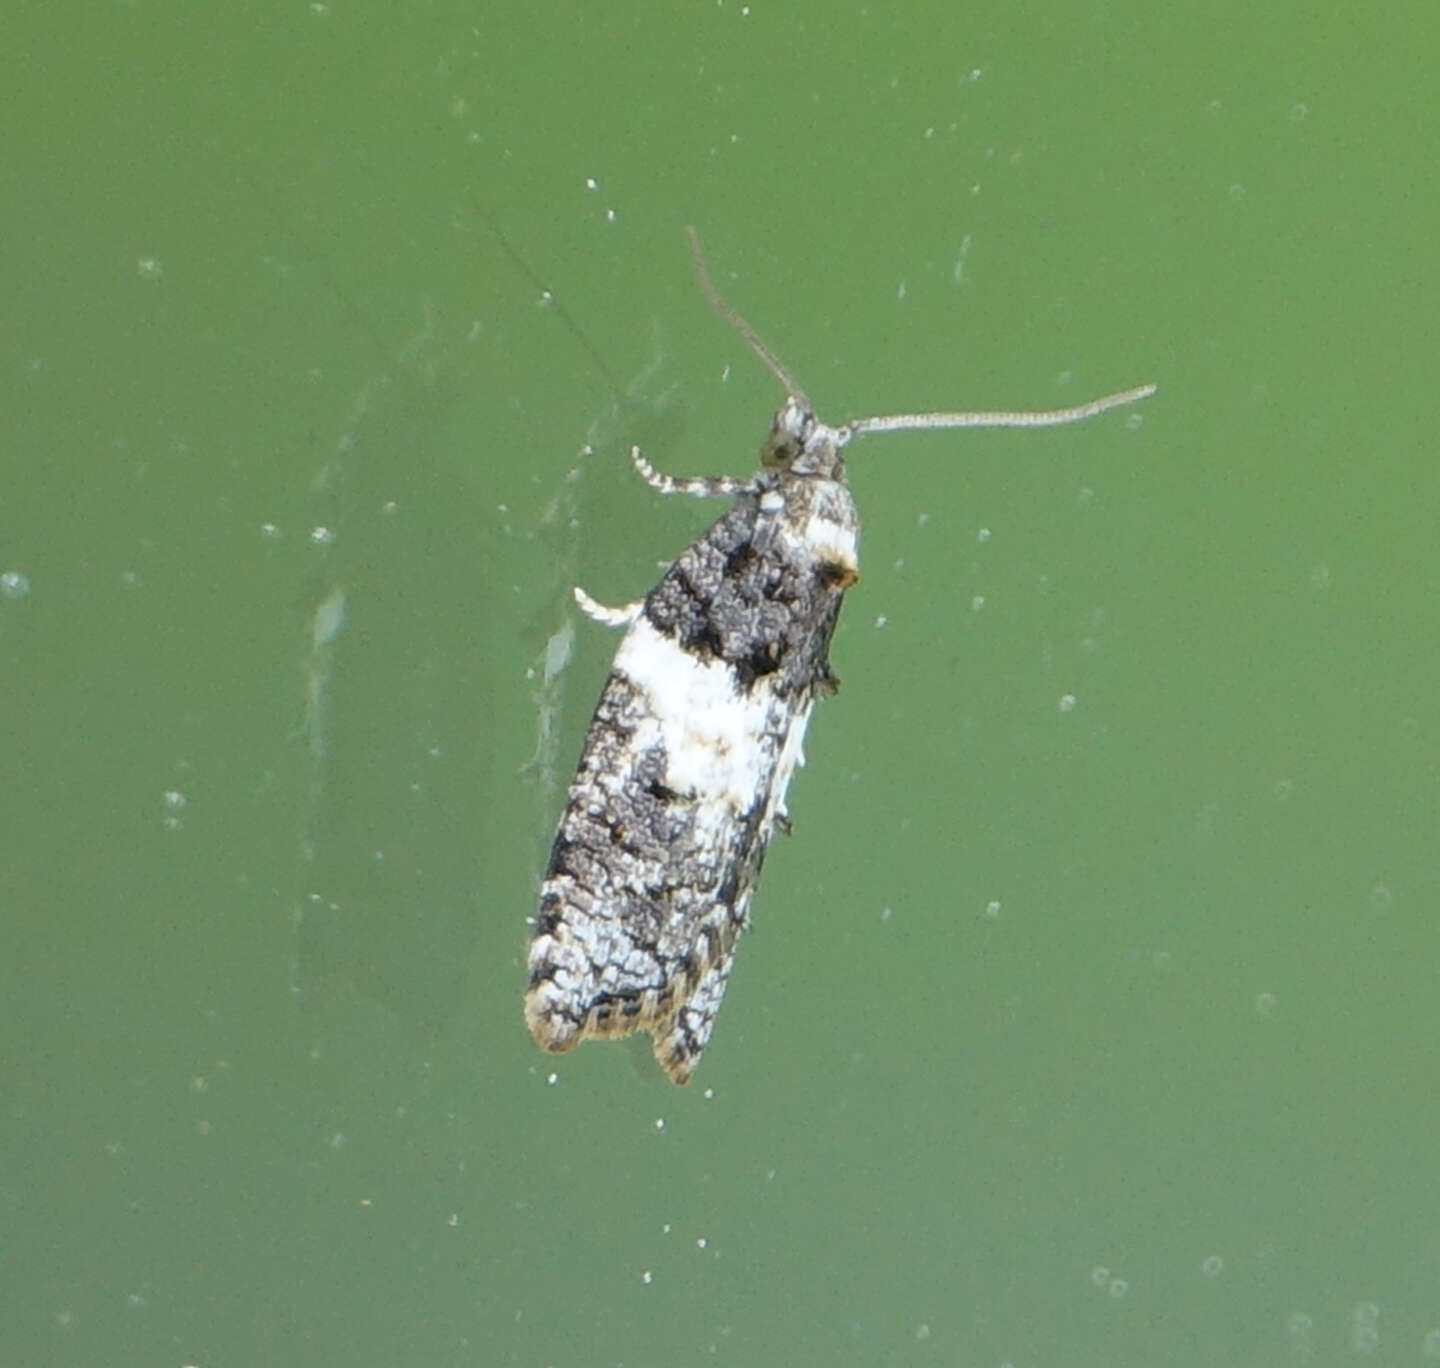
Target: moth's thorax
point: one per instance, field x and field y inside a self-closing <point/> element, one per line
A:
<point x="815" y="517"/>
<point x="801" y="443"/>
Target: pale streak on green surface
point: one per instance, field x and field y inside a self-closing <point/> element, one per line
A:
<point x="1171" y="711"/>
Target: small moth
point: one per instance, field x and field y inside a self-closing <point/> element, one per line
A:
<point x="699" y="729"/>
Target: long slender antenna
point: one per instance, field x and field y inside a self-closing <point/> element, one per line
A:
<point x="772" y="362"/>
<point x="549" y="298"/>
<point x="898" y="422"/>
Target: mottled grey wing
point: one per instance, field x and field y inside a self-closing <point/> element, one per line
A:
<point x="682" y="779"/>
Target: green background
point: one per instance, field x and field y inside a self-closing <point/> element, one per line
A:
<point x="1093" y="1034"/>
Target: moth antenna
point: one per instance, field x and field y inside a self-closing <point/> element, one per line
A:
<point x="898" y="422"/>
<point x="752" y="338"/>
<point x="551" y="301"/>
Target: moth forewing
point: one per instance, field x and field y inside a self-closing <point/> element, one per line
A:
<point x="684" y="773"/>
<point x="698" y="731"/>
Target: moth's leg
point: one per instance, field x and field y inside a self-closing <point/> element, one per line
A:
<point x="702" y="487"/>
<point x="610" y="617"/>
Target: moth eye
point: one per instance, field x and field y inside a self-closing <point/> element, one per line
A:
<point x="779" y="452"/>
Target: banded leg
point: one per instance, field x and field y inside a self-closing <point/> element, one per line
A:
<point x="609" y="617"/>
<point x="701" y="486"/>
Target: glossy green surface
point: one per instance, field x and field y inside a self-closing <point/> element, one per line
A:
<point x="1088" y="1016"/>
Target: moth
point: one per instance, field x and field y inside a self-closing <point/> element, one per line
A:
<point x="699" y="728"/>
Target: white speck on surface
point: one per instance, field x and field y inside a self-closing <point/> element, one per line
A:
<point x="959" y="271"/>
<point x="174" y="803"/>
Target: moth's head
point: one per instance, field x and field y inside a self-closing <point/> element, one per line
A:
<point x="800" y="443"/>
